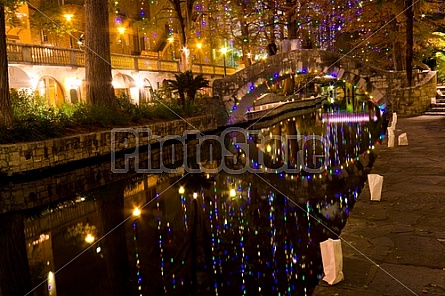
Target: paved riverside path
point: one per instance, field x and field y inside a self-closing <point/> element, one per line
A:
<point x="404" y="233"/>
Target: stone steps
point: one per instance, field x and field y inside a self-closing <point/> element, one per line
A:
<point x="441" y="113"/>
<point x="439" y="107"/>
<point x="436" y="109"/>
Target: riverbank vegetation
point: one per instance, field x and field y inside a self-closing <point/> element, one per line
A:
<point x="35" y="120"/>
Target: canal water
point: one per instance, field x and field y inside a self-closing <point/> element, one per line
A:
<point x="250" y="224"/>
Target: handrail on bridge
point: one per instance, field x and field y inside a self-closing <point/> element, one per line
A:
<point x="54" y="56"/>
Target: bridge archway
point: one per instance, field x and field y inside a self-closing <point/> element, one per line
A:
<point x="250" y="82"/>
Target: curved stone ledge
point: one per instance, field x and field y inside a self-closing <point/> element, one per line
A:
<point x="26" y="157"/>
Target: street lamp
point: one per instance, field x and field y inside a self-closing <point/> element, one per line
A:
<point x="89" y="238"/>
<point x="136" y="212"/>
<point x="172" y="50"/>
<point x="68" y="18"/>
<point x="199" y="46"/>
<point x="224" y="51"/>
<point x="121" y="31"/>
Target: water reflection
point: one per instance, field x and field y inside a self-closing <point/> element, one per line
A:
<point x="206" y="234"/>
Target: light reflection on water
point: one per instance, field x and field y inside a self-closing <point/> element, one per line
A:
<point x="208" y="234"/>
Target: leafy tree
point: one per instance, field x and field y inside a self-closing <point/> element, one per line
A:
<point x="184" y="14"/>
<point x="186" y="85"/>
<point x="381" y="32"/>
<point x="247" y="26"/>
<point x="50" y="17"/>
<point x="97" y="54"/>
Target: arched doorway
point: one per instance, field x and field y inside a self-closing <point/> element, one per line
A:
<point x="146" y="91"/>
<point x="122" y="84"/>
<point x="18" y="79"/>
<point x="49" y="88"/>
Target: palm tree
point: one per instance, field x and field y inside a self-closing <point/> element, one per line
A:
<point x="186" y="85"/>
<point x="178" y="85"/>
<point x="196" y="84"/>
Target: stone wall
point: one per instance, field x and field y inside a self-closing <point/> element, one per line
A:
<point x="27" y="157"/>
<point x="67" y="184"/>
<point x="411" y="101"/>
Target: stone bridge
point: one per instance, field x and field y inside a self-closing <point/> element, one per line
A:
<point x="383" y="87"/>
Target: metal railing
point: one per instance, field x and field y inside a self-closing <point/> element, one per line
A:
<point x="53" y="56"/>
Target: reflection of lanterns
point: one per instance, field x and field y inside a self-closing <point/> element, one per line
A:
<point x="268" y="148"/>
<point x="232" y="192"/>
<point x="136" y="212"/>
<point x="89" y="238"/>
<point x="181" y="190"/>
<point x="195" y="195"/>
<point x="51" y="284"/>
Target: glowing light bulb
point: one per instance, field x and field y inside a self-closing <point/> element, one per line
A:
<point x="232" y="192"/>
<point x="136" y="212"/>
<point x="89" y="238"/>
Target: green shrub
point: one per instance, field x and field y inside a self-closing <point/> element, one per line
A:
<point x="35" y="120"/>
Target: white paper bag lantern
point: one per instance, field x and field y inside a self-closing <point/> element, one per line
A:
<point x="375" y="183"/>
<point x="391" y="137"/>
<point x="403" y="140"/>
<point x="332" y="258"/>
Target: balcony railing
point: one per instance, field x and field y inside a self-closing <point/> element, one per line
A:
<point x="53" y="56"/>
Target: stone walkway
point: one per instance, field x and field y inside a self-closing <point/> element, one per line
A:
<point x="397" y="246"/>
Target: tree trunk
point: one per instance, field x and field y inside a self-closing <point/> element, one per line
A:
<point x="245" y="45"/>
<point x="409" y="40"/>
<point x="184" y="24"/>
<point x="15" y="278"/>
<point x="291" y="26"/>
<point x="97" y="58"/>
<point x="397" y="53"/>
<point x="5" y="100"/>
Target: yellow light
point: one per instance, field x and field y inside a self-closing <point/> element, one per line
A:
<point x="181" y="190"/>
<point x="232" y="192"/>
<point x="136" y="212"/>
<point x="72" y="82"/>
<point x="195" y="195"/>
<point x="68" y="17"/>
<point x="199" y="45"/>
<point x="223" y="50"/>
<point x="121" y="30"/>
<point x="268" y="148"/>
<point x="51" y="283"/>
<point x="170" y="39"/>
<point x="89" y="238"/>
